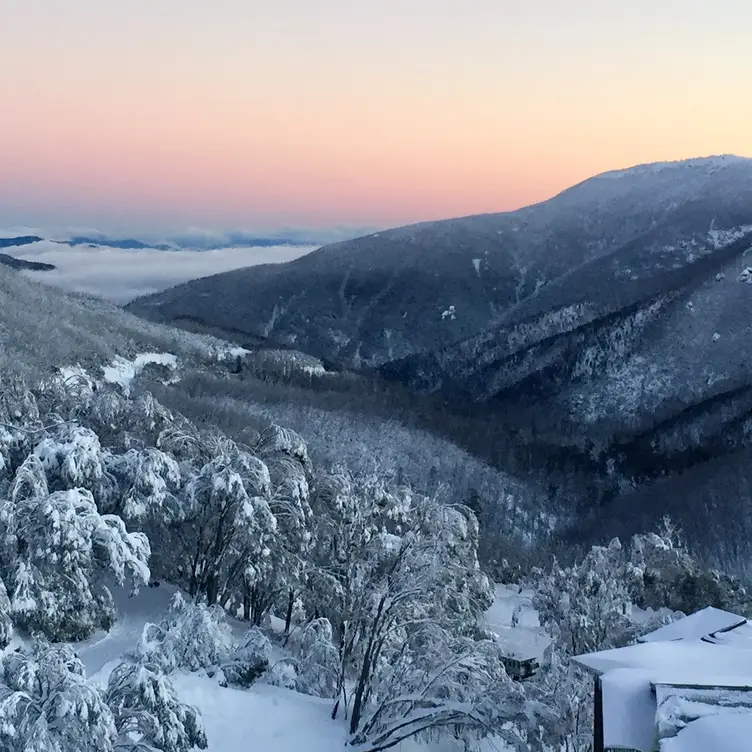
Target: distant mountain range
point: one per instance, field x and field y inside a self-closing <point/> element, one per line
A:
<point x="19" y="241"/>
<point x="231" y="240"/>
<point x="196" y="241"/>
<point x="29" y="266"/>
<point x="606" y="332"/>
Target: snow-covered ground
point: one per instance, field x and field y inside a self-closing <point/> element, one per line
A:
<point x="728" y="732"/>
<point x="123" y="371"/>
<point x="525" y="640"/>
<point x="262" y="717"/>
<point x="232" y="352"/>
<point x="266" y="717"/>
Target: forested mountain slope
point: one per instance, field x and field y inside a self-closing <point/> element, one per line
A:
<point x="422" y="287"/>
<point x="42" y="328"/>
<point x="44" y="331"/>
<point x="634" y="368"/>
<point x="31" y="266"/>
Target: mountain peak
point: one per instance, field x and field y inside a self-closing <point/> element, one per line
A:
<point x="710" y="163"/>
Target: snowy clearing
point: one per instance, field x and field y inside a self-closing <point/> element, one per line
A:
<point x="123" y="371"/>
<point x="74" y="372"/>
<point x="525" y="640"/>
<point x="264" y="716"/>
<point x="232" y="352"/>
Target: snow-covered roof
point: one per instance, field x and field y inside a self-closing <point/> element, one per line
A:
<point x="695" y="659"/>
<point x="738" y="637"/>
<point x="709" y="652"/>
<point x="630" y="696"/>
<point x="730" y="732"/>
<point x="695" y="626"/>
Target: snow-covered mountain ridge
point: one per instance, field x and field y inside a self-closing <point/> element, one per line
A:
<point x="605" y="332"/>
<point x="385" y="296"/>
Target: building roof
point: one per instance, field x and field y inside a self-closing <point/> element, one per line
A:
<point x="688" y="658"/>
<point x="739" y="637"/>
<point x="696" y="626"/>
<point x="705" y="655"/>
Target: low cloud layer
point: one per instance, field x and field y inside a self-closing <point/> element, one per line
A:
<point x="199" y="238"/>
<point x="120" y="275"/>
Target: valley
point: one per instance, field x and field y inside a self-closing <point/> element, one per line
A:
<point x="595" y="346"/>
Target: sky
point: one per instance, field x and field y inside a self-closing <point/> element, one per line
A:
<point x="151" y="114"/>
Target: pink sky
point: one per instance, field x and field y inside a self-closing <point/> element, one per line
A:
<point x="241" y="113"/>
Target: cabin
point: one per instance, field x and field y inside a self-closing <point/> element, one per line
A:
<point x="686" y="687"/>
<point x="520" y="666"/>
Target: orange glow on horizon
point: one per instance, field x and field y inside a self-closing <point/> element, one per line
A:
<point x="248" y="116"/>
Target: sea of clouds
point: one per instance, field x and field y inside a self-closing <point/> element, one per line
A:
<point x="121" y="275"/>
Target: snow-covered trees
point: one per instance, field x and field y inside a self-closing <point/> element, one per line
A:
<point x="587" y="606"/>
<point x="244" y="518"/>
<point x="148" y="481"/>
<point x="6" y="622"/>
<point x="147" y="713"/>
<point x="284" y="576"/>
<point x="229" y="530"/>
<point x="665" y="574"/>
<point x="438" y="683"/>
<point x="318" y="662"/>
<point x="191" y="636"/>
<point x="250" y="660"/>
<point x="20" y="423"/>
<point x="56" y="550"/>
<point x="391" y="564"/>
<point x="72" y="458"/>
<point x="47" y="705"/>
<point x="561" y="696"/>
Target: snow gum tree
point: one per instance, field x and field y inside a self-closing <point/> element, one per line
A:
<point x="47" y="705"/>
<point x="192" y="636"/>
<point x="228" y="529"/>
<point x="391" y="566"/>
<point x="318" y="660"/>
<point x="282" y="574"/>
<point x="148" y="481"/>
<point x="72" y="457"/>
<point x="665" y="574"/>
<point x="20" y="424"/>
<point x="587" y="606"/>
<point x="56" y="549"/>
<point x="6" y="622"/>
<point x="253" y="657"/>
<point x="438" y="684"/>
<point x="148" y="714"/>
<point x="244" y="519"/>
